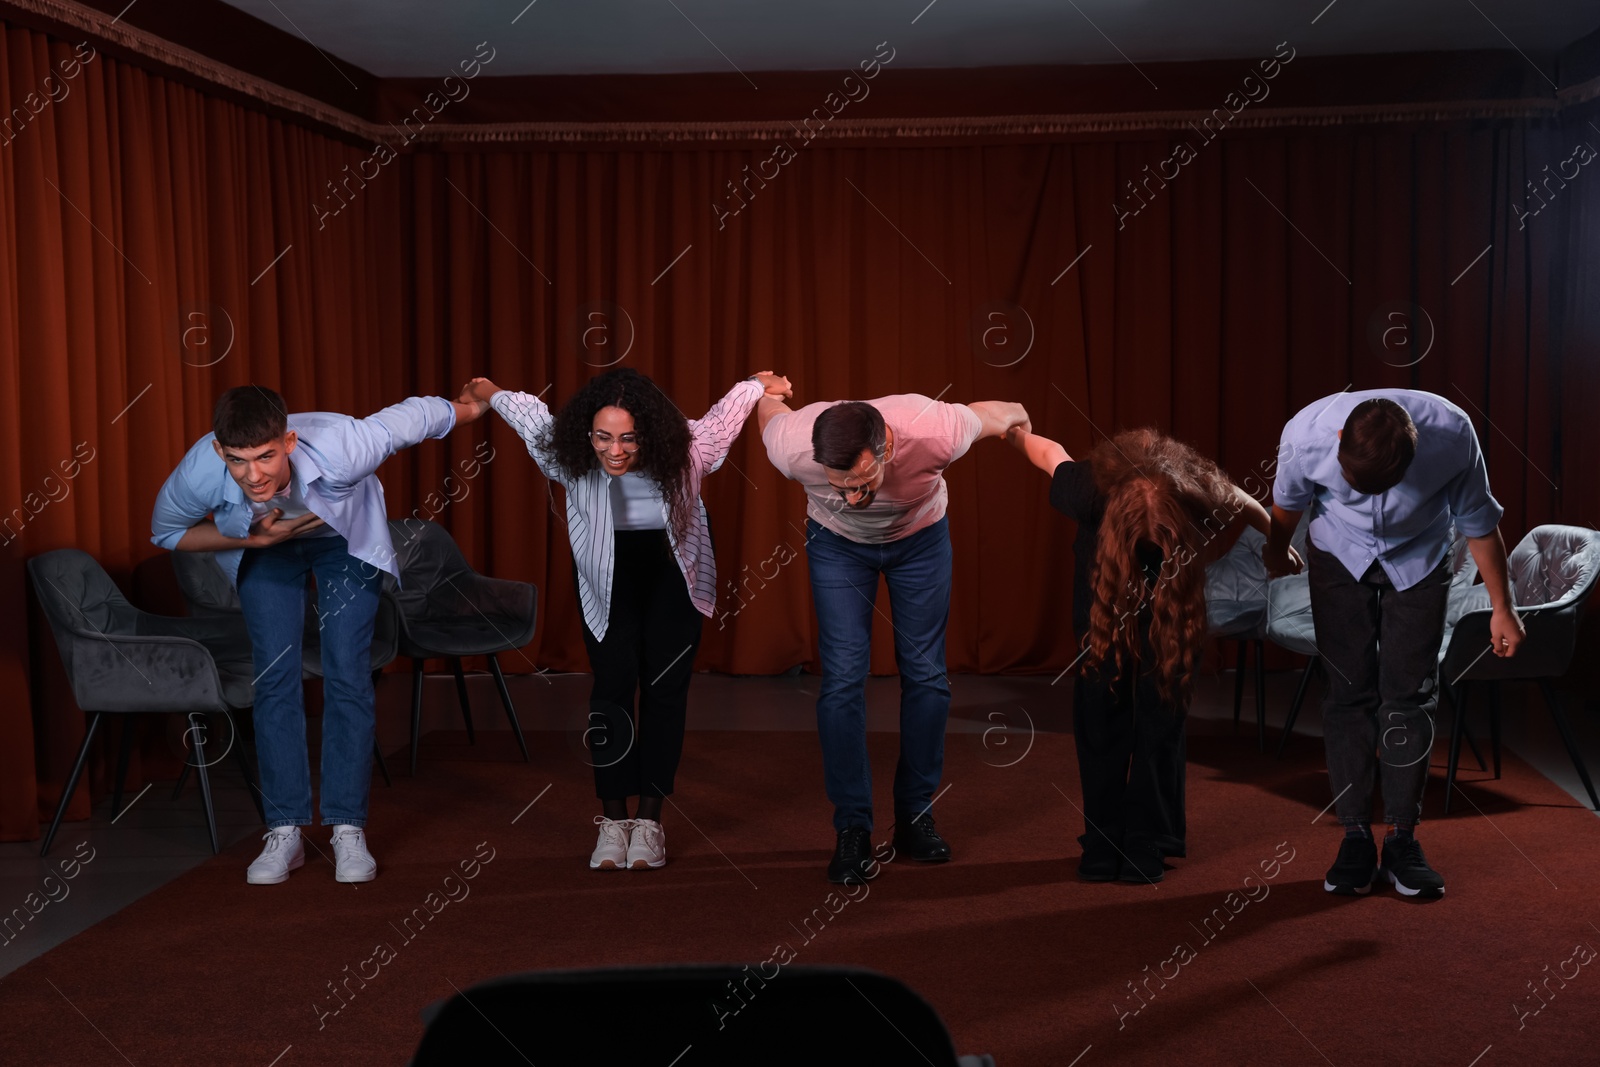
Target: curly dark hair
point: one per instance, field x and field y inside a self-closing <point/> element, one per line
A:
<point x="663" y="436"/>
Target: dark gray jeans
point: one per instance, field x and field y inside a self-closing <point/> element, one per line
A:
<point x="1380" y="646"/>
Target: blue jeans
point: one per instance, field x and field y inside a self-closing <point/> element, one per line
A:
<point x="844" y="588"/>
<point x="272" y="590"/>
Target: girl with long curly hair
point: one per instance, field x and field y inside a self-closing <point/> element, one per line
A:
<point x="632" y="465"/>
<point x="1151" y="514"/>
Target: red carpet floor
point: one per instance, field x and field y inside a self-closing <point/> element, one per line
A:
<point x="1021" y="960"/>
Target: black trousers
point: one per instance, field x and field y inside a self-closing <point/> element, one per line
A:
<point x="1131" y="759"/>
<point x="1381" y="648"/>
<point x="651" y="637"/>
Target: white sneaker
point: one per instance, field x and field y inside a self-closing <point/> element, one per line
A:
<point x="351" y="860"/>
<point x="648" y="849"/>
<point x="612" y="849"/>
<point x="283" y="853"/>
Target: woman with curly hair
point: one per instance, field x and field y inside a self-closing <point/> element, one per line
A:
<point x="1151" y="514"/>
<point x="632" y="465"/>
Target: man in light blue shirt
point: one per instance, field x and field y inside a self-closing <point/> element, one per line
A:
<point x="279" y="497"/>
<point x="1388" y="475"/>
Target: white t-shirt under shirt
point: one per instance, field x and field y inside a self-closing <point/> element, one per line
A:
<point x="637" y="502"/>
<point x="928" y="437"/>
<point x="292" y="502"/>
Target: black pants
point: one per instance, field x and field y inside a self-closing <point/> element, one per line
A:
<point x="1378" y="718"/>
<point x="1131" y="759"/>
<point x="651" y="638"/>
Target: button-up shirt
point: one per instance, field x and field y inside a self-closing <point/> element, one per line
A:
<point x="1408" y="529"/>
<point x="331" y="469"/>
<point x="590" y="523"/>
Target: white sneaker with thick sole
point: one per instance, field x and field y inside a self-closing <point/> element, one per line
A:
<point x="611" y="850"/>
<point x="283" y="853"/>
<point x="351" y="860"/>
<point x="648" y="849"/>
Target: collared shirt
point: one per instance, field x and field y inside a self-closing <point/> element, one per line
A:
<point x="331" y="469"/>
<point x="589" y="517"/>
<point x="1406" y="530"/>
<point x="928" y="437"/>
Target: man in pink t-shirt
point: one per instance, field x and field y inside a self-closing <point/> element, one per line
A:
<point x="873" y="472"/>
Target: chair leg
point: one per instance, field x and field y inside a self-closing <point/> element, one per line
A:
<point x="505" y="698"/>
<point x="1261" y="694"/>
<point x="183" y="776"/>
<point x="461" y="692"/>
<point x="416" y="711"/>
<point x="377" y="752"/>
<point x="123" y="756"/>
<point x="1238" y="683"/>
<point x="1294" y="705"/>
<point x="248" y="772"/>
<point x="1553" y="700"/>
<point x="72" y="783"/>
<point x="1494" y="725"/>
<point x="198" y="726"/>
<point x="1459" y="699"/>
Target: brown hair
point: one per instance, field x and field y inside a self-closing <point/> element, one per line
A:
<point x="1156" y="490"/>
<point x="1377" y="445"/>
<point x="842" y="431"/>
<point x="249" y="415"/>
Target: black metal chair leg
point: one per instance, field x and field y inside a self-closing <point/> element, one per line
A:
<point x="1459" y="698"/>
<point x="505" y="698"/>
<point x="199" y="725"/>
<point x="72" y="783"/>
<point x="383" y="766"/>
<point x="1294" y="705"/>
<point x="183" y="776"/>
<point x="416" y="711"/>
<point x="1494" y="725"/>
<point x="1553" y="700"/>
<point x="1472" y="746"/>
<point x="247" y="771"/>
<point x="1261" y="693"/>
<point x="1238" y="684"/>
<point x="124" y="754"/>
<point x="461" y="692"/>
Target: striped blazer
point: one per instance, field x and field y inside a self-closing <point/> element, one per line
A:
<point x="589" y="522"/>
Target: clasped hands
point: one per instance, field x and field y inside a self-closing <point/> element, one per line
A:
<point x="476" y="393"/>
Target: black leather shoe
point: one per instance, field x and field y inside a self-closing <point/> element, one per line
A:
<point x="1100" y="862"/>
<point x="1141" y="864"/>
<point x="916" y="839"/>
<point x="852" y="857"/>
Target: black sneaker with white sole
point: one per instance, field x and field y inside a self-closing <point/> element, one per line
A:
<point x="1407" y="868"/>
<point x="1351" y="873"/>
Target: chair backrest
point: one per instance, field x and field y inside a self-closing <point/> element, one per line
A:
<point x="1554" y="566"/>
<point x="204" y="585"/>
<point x="429" y="560"/>
<point x="1552" y="570"/>
<point x="767" y="1013"/>
<point x="79" y="599"/>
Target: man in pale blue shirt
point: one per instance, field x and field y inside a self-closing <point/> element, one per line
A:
<point x="279" y="497"/>
<point x="1388" y="475"/>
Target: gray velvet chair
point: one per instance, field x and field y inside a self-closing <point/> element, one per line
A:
<point x="1552" y="571"/>
<point x="1289" y="622"/>
<point x="208" y="593"/>
<point x="123" y="661"/>
<point x="448" y="610"/>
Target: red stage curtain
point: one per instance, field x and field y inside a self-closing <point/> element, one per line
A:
<point x="133" y="203"/>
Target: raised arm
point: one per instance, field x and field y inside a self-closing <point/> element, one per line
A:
<point x="1042" y="452"/>
<point x="524" y="413"/>
<point x="999" y="416"/>
<point x="715" y="431"/>
<point x="370" y="441"/>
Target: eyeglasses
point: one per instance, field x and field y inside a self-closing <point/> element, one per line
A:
<point x="602" y="441"/>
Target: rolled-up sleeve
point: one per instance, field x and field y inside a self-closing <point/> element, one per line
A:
<point x="1475" y="510"/>
<point x="184" y="500"/>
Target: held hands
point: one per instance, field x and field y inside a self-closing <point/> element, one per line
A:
<point x="474" y="399"/>
<point x="774" y="385"/>
<point x="271" y="528"/>
<point x="1505" y="632"/>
